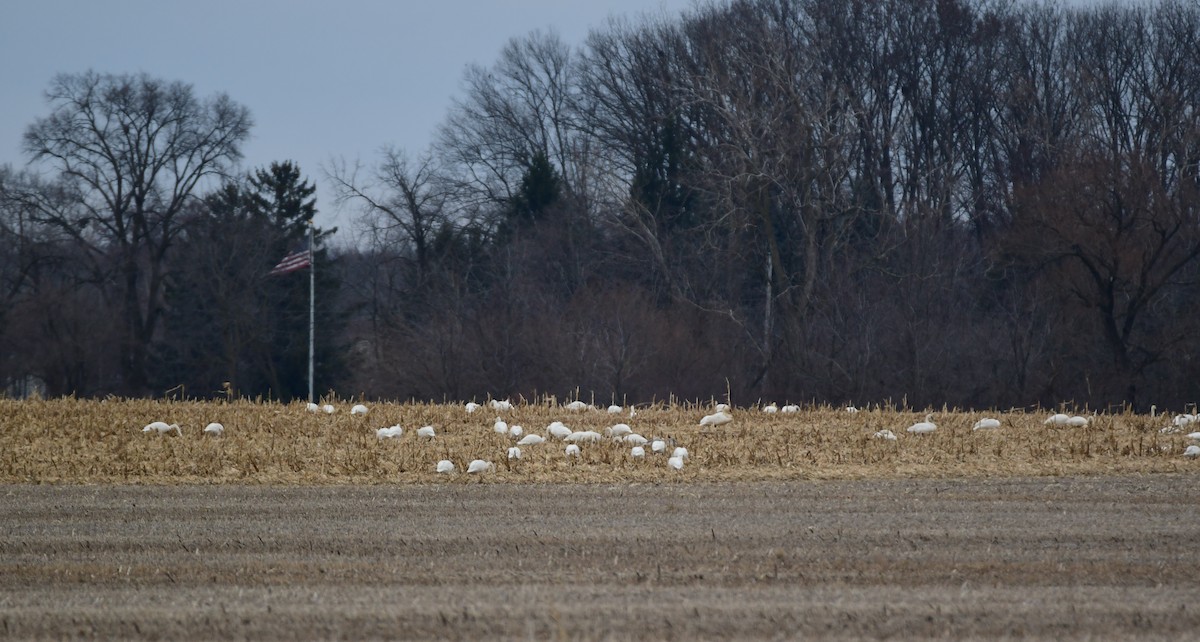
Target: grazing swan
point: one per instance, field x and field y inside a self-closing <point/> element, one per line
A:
<point x="426" y="432"/>
<point x="531" y="440"/>
<point x="851" y="409"/>
<point x="445" y="466"/>
<point x="479" y="466"/>
<point x="328" y="408"/>
<point x="636" y="439"/>
<point x="389" y="433"/>
<point x="583" y="436"/>
<point x="680" y="452"/>
<point x="885" y="434"/>
<point x="619" y="430"/>
<point x="658" y="446"/>
<point x="312" y="407"/>
<point x="637" y="452"/>
<point x="501" y="405"/>
<point x="161" y="427"/>
<point x="215" y="429"/>
<point x="572" y="450"/>
<point x="923" y="427"/>
<point x="716" y="419"/>
<point x="1077" y="421"/>
<point x="577" y="405"/>
<point x="557" y="429"/>
<point x="471" y="407"/>
<point x="1193" y="435"/>
<point x="987" y="423"/>
<point x="790" y="408"/>
<point x="1192" y="452"/>
<point x="1057" y="419"/>
<point x="614" y="409"/>
<point x="676" y="463"/>
<point x="514" y="453"/>
<point x="501" y="426"/>
<point x="771" y="408"/>
<point x="358" y="410"/>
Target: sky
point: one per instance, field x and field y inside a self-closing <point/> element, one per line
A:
<point x="322" y="79"/>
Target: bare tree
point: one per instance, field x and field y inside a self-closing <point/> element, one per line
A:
<point x="133" y="150"/>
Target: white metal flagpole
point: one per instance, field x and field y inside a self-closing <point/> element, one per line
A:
<point x="312" y="307"/>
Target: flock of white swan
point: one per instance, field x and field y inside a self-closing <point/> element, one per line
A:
<point x="623" y="433"/>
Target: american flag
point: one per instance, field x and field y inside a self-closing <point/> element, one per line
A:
<point x="299" y="259"/>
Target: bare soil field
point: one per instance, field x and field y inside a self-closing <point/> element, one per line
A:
<point x="984" y="558"/>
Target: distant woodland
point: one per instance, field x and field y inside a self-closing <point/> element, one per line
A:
<point x="980" y="204"/>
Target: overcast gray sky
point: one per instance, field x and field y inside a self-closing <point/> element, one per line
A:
<point x="321" y="78"/>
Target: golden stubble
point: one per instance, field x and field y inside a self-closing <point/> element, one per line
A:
<point x="101" y="441"/>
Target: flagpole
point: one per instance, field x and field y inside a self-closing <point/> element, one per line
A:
<point x="312" y="307"/>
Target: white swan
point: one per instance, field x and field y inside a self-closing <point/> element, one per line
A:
<point x="1193" y="435"/>
<point x="214" y="429"/>
<point x="680" y="452"/>
<point x="161" y="427"/>
<point x="637" y="452"/>
<point x="770" y="408"/>
<point x="851" y="409"/>
<point x="885" y="434"/>
<point x="635" y="439"/>
<point x="572" y="450"/>
<point x="312" y="407"/>
<point x="557" y="429"/>
<point x="1192" y="452"/>
<point x="614" y="409"/>
<point x="358" y="410"/>
<point x="619" y="430"/>
<point x="583" y="436"/>
<point x="658" y="446"/>
<point x="501" y="405"/>
<point x="1057" y="419"/>
<point x="676" y="463"/>
<point x="987" y="423"/>
<point x="1077" y="421"/>
<point x="515" y="431"/>
<point x="328" y="408"/>
<point x="479" y="466"/>
<point x="501" y="426"/>
<point x="390" y="432"/>
<point x="471" y="407"/>
<point x="426" y="432"/>
<point x="576" y="406"/>
<point x="716" y="419"/>
<point x="790" y="408"/>
<point x="445" y="466"/>
<point x="531" y="440"/>
<point x="514" y="453"/>
<point x="923" y="427"/>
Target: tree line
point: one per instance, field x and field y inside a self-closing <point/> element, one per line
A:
<point x="974" y="203"/>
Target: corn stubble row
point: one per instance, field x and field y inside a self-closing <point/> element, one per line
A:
<point x="101" y="441"/>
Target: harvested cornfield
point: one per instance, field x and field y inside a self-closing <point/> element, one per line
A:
<point x="102" y="441"/>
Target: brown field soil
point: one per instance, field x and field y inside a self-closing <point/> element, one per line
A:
<point x="101" y="441"/>
<point x="1032" y="558"/>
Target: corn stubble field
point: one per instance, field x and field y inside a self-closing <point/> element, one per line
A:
<point x="297" y="525"/>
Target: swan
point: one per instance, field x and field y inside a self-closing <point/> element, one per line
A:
<point x="1077" y="421"/>
<point x="501" y="426"/>
<point x="531" y="440"/>
<point x="214" y="429"/>
<point x="389" y="433"/>
<point x="636" y="439"/>
<point x="161" y="427"/>
<point x="1057" y="419"/>
<point x="923" y="427"/>
<point x="572" y="450"/>
<point x="1193" y="435"/>
<point x="425" y="432"/>
<point x="576" y="406"/>
<point x="721" y="407"/>
<point x="585" y="436"/>
<point x="658" y="446"/>
<point x="445" y="466"/>
<point x="619" y="430"/>
<point x="328" y="408"/>
<point x="312" y="407"/>
<point x="514" y="453"/>
<point x="770" y="409"/>
<point x="851" y="409"/>
<point x="676" y="463"/>
<point x="614" y="409"/>
<point x="790" y="408"/>
<point x="885" y="434"/>
<point x="716" y="419"/>
<point x="515" y="431"/>
<point x="557" y="429"/>
<point x="471" y="407"/>
<point x="1192" y="452"/>
<point x="1184" y="420"/>
<point x="638" y="452"/>
<point x="987" y="423"/>
<point x="358" y="410"/>
<point x="479" y="466"/>
<point x="501" y="405"/>
<point x="680" y="452"/>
